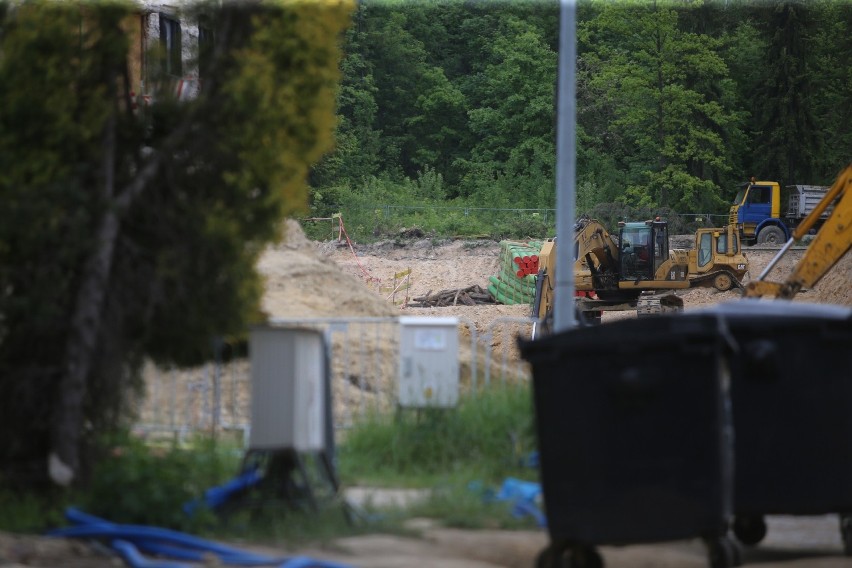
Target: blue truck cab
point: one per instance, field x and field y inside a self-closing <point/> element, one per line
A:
<point x="756" y="212"/>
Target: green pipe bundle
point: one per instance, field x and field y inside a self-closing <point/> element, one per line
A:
<point x="515" y="281"/>
<point x="505" y="296"/>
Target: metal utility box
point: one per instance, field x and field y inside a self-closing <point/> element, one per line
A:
<point x="288" y="394"/>
<point x="428" y="362"/>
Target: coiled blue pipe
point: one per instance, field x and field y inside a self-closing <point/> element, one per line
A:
<point x="127" y="540"/>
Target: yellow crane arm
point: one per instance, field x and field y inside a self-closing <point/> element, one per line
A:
<point x="833" y="240"/>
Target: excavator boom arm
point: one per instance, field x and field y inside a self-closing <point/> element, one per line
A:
<point x="833" y="240"/>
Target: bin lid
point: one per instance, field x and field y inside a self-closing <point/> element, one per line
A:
<point x="753" y="307"/>
<point x="632" y="334"/>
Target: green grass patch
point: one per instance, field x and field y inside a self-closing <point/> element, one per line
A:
<point x="462" y="455"/>
<point x="276" y="523"/>
<point x="382" y="209"/>
<point x="487" y="437"/>
<point x="468" y="506"/>
<point x="30" y="512"/>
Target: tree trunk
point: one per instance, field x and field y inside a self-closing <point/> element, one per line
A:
<point x="86" y="323"/>
<point x="67" y="423"/>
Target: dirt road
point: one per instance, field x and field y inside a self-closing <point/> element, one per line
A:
<point x="792" y="542"/>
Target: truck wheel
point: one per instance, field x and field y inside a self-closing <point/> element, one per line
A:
<point x="723" y="282"/>
<point x="770" y="236"/>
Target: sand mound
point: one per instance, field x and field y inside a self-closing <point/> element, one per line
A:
<point x="836" y="287"/>
<point x="301" y="282"/>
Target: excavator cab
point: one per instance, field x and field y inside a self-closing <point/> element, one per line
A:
<point x="643" y="248"/>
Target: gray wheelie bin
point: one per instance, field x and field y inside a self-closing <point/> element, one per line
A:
<point x="791" y="393"/>
<point x="634" y="436"/>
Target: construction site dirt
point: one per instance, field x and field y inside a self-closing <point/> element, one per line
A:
<point x="308" y="279"/>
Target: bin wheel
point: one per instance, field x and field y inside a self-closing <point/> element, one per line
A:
<point x="846" y="533"/>
<point x="736" y="551"/>
<point x="749" y="529"/>
<point x="723" y="553"/>
<point x="584" y="557"/>
<point x="548" y="558"/>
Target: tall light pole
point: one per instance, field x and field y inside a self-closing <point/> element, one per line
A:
<point x="566" y="167"/>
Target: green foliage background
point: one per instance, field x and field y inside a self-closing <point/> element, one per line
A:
<point x="677" y="103"/>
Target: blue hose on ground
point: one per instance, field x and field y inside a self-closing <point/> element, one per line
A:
<point x="532" y="460"/>
<point x="217" y="496"/>
<point x="522" y="508"/>
<point x="131" y="555"/>
<point x="127" y="540"/>
<point x="306" y="562"/>
<point x="521" y="494"/>
<point x="246" y="559"/>
<point x="135" y="533"/>
<point x="517" y="489"/>
<point x="79" y="517"/>
<point x="198" y="555"/>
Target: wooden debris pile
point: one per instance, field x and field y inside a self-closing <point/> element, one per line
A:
<point x="470" y="296"/>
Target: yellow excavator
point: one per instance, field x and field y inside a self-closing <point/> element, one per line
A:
<point x="615" y="272"/>
<point x="832" y="241"/>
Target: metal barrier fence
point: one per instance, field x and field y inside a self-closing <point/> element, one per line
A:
<point x="384" y="219"/>
<point x="364" y="352"/>
<point x="546" y="215"/>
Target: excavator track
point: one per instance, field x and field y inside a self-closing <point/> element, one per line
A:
<point x="656" y="304"/>
<point x="645" y="305"/>
<point x="714" y="278"/>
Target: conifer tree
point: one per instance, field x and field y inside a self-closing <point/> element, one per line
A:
<point x="134" y="235"/>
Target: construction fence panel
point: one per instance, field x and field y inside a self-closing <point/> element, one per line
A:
<point x="364" y="357"/>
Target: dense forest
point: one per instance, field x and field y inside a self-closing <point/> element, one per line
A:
<point x="450" y="105"/>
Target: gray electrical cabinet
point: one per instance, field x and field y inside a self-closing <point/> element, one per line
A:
<point x="288" y="403"/>
<point x="428" y="362"/>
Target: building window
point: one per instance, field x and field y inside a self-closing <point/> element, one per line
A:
<point x="171" y="45"/>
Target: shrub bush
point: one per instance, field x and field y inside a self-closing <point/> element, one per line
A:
<point x="143" y="484"/>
